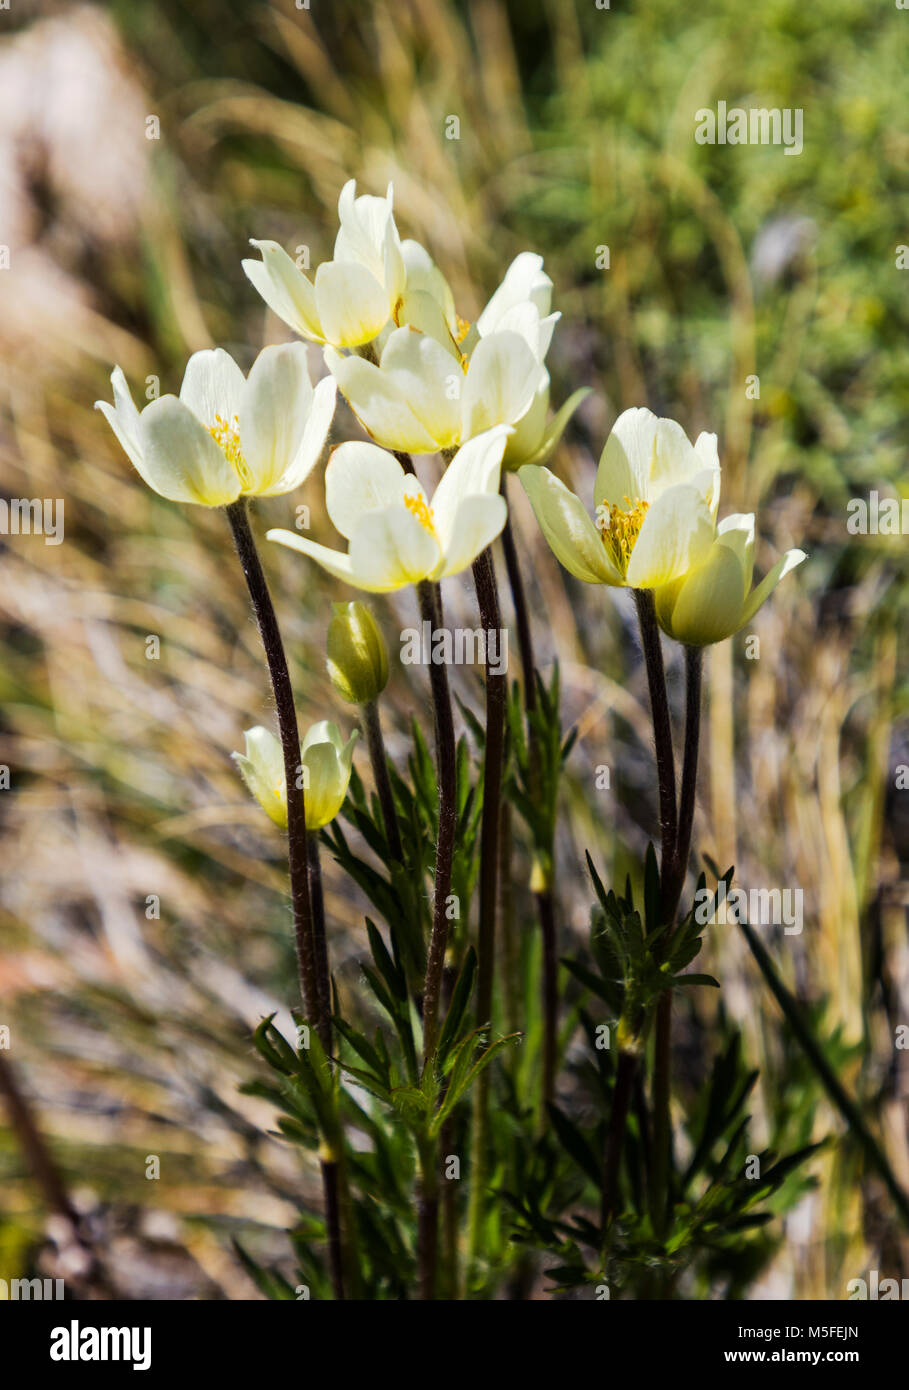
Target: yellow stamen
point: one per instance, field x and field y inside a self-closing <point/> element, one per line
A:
<point x="463" y="329"/>
<point x="226" y="434"/>
<point x="416" y="503"/>
<point x="620" y="528"/>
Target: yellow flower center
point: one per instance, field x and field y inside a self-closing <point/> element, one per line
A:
<point x="620" y="528"/>
<point x="463" y="329"/>
<point x="417" y="505"/>
<point x="226" y="434"/>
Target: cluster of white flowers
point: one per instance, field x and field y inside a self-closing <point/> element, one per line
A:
<point x="421" y="380"/>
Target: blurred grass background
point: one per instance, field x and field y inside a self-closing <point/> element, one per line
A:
<point x="130" y="1032"/>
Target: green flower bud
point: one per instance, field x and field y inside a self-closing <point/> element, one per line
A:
<point x="357" y="658"/>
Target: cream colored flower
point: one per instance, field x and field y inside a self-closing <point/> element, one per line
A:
<point x="396" y="536"/>
<point x="438" y="382"/>
<point x="352" y="296"/>
<point x="716" y="600"/>
<point x="227" y="435"/>
<point x="655" y="496"/>
<point x="326" y="762"/>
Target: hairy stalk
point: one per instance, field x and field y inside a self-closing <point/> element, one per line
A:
<point x="672" y="891"/>
<point x="521" y="614"/>
<point x="446" y="767"/>
<point x="320" y="942"/>
<point x="669" y="829"/>
<point x="297" y="854"/>
<point x="496" y="698"/>
<point x="662" y="731"/>
<point x="545" y="898"/>
<point x="615" y="1135"/>
<point x="372" y="728"/>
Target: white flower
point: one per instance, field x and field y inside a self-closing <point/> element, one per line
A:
<point x="227" y="435"/>
<point x="352" y="296"/>
<point x="716" y="600"/>
<point x="396" y="536"/>
<point x="326" y="762"/>
<point x="438" y="382"/>
<point x="424" y="396"/>
<point x="656" y="498"/>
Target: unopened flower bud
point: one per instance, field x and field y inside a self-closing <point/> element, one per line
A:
<point x="357" y="658"/>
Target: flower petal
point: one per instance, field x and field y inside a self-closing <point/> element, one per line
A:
<point x="179" y="458"/>
<point x="758" y="596"/>
<point x="361" y="478"/>
<point x="378" y="403"/>
<point x="352" y="305"/>
<point x="624" y="467"/>
<point x="524" y="280"/>
<point x="502" y="380"/>
<point x="335" y="562"/>
<point x="262" y="769"/>
<point x="123" y="418"/>
<point x="390" y="549"/>
<point x="475" y="524"/>
<point x="429" y="379"/>
<point x="285" y="289"/>
<point x="213" y="386"/>
<point x="676" y="535"/>
<point x="572" y="536"/>
<point x="549" y="438"/>
<point x="474" y="470"/>
<point x="274" y="409"/>
<point x="708" y="606"/>
<point x="423" y="276"/>
<point x="315" y="433"/>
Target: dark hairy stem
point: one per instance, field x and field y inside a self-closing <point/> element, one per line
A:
<point x="694" y="661"/>
<point x="496" y="697"/>
<point x="521" y="614"/>
<point x="372" y="727"/>
<point x="320" y="943"/>
<point x="297" y="846"/>
<point x="546" y="914"/>
<point x="615" y="1135"/>
<point x="662" y="732"/>
<point x="673" y="866"/>
<point x="446" y="768"/>
<point x="290" y="745"/>
<point x="430" y="600"/>
<point x="665" y="760"/>
<point x="545" y="899"/>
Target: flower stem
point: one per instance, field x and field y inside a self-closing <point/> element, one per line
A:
<point x="662" y="731"/>
<point x="672" y="891"/>
<point x="290" y="745"/>
<point x="521" y="614"/>
<point x="545" y="898"/>
<point x="615" y="1137"/>
<point x="320" y="944"/>
<point x="446" y="771"/>
<point x="297" y="852"/>
<point x="496" y="697"/>
<point x="372" y="728"/>
<point x="675" y="830"/>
